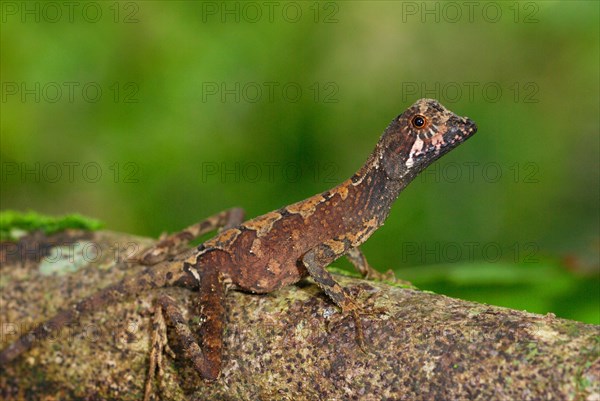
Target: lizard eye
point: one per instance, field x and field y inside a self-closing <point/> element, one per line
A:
<point x="418" y="121"/>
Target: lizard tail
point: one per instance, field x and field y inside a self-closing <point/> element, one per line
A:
<point x="170" y="275"/>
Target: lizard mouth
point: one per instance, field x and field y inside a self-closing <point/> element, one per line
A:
<point x="470" y="127"/>
<point x="426" y="150"/>
<point x="460" y="131"/>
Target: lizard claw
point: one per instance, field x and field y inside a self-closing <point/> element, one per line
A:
<point x="159" y="344"/>
<point x="355" y="310"/>
<point x="375" y="275"/>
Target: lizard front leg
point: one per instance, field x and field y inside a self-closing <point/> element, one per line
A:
<point x="205" y="356"/>
<point x="358" y="259"/>
<point x="315" y="261"/>
<point x="175" y="243"/>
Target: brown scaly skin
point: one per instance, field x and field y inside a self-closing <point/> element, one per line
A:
<point x="283" y="246"/>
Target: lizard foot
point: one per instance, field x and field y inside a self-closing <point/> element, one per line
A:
<point x="158" y="346"/>
<point x="378" y="276"/>
<point x="356" y="311"/>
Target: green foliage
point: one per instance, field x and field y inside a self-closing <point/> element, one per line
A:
<point x="543" y="287"/>
<point x="14" y="224"/>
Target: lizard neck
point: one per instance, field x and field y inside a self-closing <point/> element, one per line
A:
<point x="375" y="191"/>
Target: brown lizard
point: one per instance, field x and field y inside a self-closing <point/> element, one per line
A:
<point x="281" y="247"/>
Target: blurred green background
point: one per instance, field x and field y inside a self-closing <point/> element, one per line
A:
<point x="153" y="115"/>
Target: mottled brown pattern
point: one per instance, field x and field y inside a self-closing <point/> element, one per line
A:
<point x="262" y="224"/>
<point x="281" y="247"/>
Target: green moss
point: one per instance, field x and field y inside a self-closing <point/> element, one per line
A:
<point x="532" y="351"/>
<point x="354" y="274"/>
<point x="343" y="272"/>
<point x="569" y="328"/>
<point x="14" y="224"/>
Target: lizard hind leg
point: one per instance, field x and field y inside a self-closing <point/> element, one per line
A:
<point x="206" y="355"/>
<point x="358" y="259"/>
<point x="173" y="244"/>
<point x="158" y="345"/>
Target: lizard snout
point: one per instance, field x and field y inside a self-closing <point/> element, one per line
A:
<point x="470" y="125"/>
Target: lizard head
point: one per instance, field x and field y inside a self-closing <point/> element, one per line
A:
<point x="421" y="135"/>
